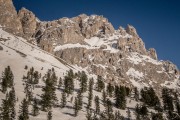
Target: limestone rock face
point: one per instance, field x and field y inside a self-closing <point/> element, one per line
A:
<point x="152" y="53"/>
<point x="8" y="17"/>
<point x="28" y="21"/>
<point x="131" y="30"/>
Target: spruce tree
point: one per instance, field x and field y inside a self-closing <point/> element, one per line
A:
<point x="136" y="94"/>
<point x="110" y="89"/>
<point x="35" y="108"/>
<point x="100" y="84"/>
<point x="49" y="115"/>
<point x="89" y="114"/>
<point x="83" y="82"/>
<point x="23" y="112"/>
<point x="118" y="116"/>
<point x="68" y="84"/>
<point x="5" y="112"/>
<point x="90" y="94"/>
<point x="63" y="99"/>
<point x="12" y="103"/>
<point x="109" y="110"/>
<point x="28" y="92"/>
<point x="97" y="106"/>
<point x="76" y="109"/>
<point x="167" y="99"/>
<point x="60" y="82"/>
<point x="80" y="100"/>
<point x="120" y="97"/>
<point x="104" y="97"/>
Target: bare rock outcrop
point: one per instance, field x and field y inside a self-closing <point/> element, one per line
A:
<point x="8" y="17"/>
<point x="28" y="21"/>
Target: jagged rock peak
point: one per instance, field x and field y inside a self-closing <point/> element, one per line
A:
<point x="131" y="30"/>
<point x="8" y="17"/>
<point x="28" y="21"/>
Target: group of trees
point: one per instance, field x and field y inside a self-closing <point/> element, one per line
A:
<point x="112" y="96"/>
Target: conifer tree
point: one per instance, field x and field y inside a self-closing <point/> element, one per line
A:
<point x="83" y="82"/>
<point x="120" y="97"/>
<point x="49" y="96"/>
<point x="28" y="92"/>
<point x="76" y="109"/>
<point x="110" y="89"/>
<point x="63" y="99"/>
<point x="109" y="110"/>
<point x="35" y="108"/>
<point x="167" y="99"/>
<point x="90" y="94"/>
<point x="80" y="100"/>
<point x="136" y="94"/>
<point x="89" y="114"/>
<point x="100" y="84"/>
<point x="68" y="84"/>
<point x="5" y="112"/>
<point x="60" y="82"/>
<point x="49" y="115"/>
<point x="118" y="116"/>
<point x="97" y="106"/>
<point x="104" y="96"/>
<point x="23" y="112"/>
<point x="12" y="103"/>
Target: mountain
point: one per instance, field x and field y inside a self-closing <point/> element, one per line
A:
<point x="82" y="43"/>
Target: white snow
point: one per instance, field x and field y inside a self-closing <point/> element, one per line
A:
<point x="134" y="74"/>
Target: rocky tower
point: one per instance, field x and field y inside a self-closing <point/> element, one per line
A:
<point x="8" y="17"/>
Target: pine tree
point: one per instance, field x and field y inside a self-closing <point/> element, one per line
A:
<point x="100" y="84"/>
<point x="49" y="115"/>
<point x="97" y="107"/>
<point x="12" y="103"/>
<point x="128" y="114"/>
<point x="60" y="82"/>
<point x="118" y="116"/>
<point x="76" y="107"/>
<point x="63" y="99"/>
<point x="36" y="77"/>
<point x="167" y="99"/>
<point x="49" y="96"/>
<point x="89" y="114"/>
<point x="35" y="108"/>
<point x="136" y="94"/>
<point x="7" y="79"/>
<point x="68" y="84"/>
<point x="90" y="95"/>
<point x="104" y="96"/>
<point x="80" y="100"/>
<point x="83" y="81"/>
<point x="109" y="110"/>
<point x="5" y="112"/>
<point x="110" y="89"/>
<point x="23" y="112"/>
<point x="28" y="92"/>
<point x="120" y="97"/>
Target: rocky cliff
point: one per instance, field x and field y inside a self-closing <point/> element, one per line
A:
<point x="92" y="42"/>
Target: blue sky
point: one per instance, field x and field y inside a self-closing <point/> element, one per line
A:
<point x="157" y="21"/>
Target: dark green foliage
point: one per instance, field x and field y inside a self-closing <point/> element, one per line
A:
<point x="109" y="110"/>
<point x="12" y="103"/>
<point x="157" y="116"/>
<point x="118" y="116"/>
<point x="149" y="97"/>
<point x="104" y="96"/>
<point x="26" y="67"/>
<point x="23" y="112"/>
<point x="97" y="106"/>
<point x="49" y="96"/>
<point x="63" y="99"/>
<point x="136" y="94"/>
<point x="80" y="100"/>
<point x="167" y="99"/>
<point x="90" y="94"/>
<point x="5" y="112"/>
<point x="83" y="81"/>
<point x="7" y="79"/>
<point x="173" y="116"/>
<point x="69" y="82"/>
<point x="110" y="89"/>
<point x="89" y="114"/>
<point x="100" y="84"/>
<point x="141" y="111"/>
<point x="28" y="92"/>
<point x="120" y="97"/>
<point x="127" y="91"/>
<point x="76" y="109"/>
<point x="49" y="115"/>
<point x="35" y="108"/>
<point x="60" y="82"/>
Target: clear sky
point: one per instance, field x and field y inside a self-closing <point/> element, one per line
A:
<point x="157" y="21"/>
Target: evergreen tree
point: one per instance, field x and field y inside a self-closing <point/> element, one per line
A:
<point x="100" y="84"/>
<point x="35" y="108"/>
<point x="60" y="82"/>
<point x="157" y="116"/>
<point x="80" y="100"/>
<point x="167" y="99"/>
<point x="118" y="116"/>
<point x="136" y="94"/>
<point x="63" y="99"/>
<point x="49" y="96"/>
<point x="5" y="112"/>
<point x="120" y="97"/>
<point x="68" y="84"/>
<point x="90" y="95"/>
<point x="12" y="103"/>
<point x="83" y="81"/>
<point x="104" y="96"/>
<point x="7" y="79"/>
<point x="36" y="77"/>
<point x="28" y="92"/>
<point x="89" y="114"/>
<point x="23" y="112"/>
<point x="109" y="110"/>
<point x="110" y="89"/>
<point x="97" y="106"/>
<point x="49" y="115"/>
<point x="76" y="109"/>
